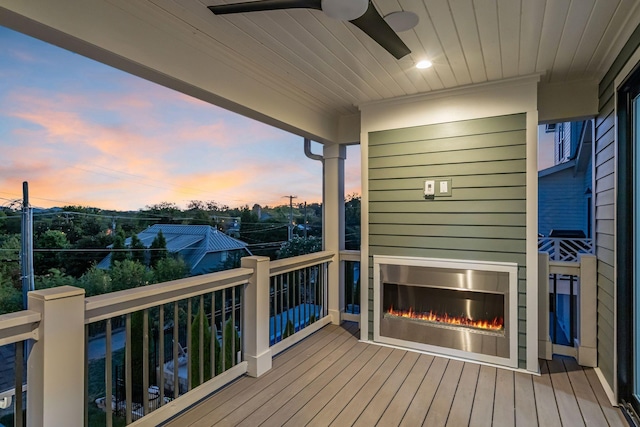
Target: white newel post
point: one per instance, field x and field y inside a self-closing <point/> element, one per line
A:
<point x="55" y="367"/>
<point x="587" y="342"/>
<point x="333" y="224"/>
<point x="544" y="341"/>
<point x="257" y="352"/>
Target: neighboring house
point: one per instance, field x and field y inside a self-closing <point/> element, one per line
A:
<point x="203" y="248"/>
<point x="564" y="189"/>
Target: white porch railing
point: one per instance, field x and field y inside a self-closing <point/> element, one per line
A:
<point x="565" y="249"/>
<point x="240" y="302"/>
<point x="576" y="283"/>
<point x="17" y="329"/>
<point x="350" y="273"/>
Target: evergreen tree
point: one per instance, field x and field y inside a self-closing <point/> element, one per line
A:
<point x="158" y="249"/>
<point x="118" y="254"/>
<point x="137" y="249"/>
<point x="194" y="349"/>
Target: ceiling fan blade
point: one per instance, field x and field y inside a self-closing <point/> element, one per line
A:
<point x="377" y="28"/>
<point x="255" y="6"/>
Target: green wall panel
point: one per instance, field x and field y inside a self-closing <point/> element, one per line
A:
<point x="484" y="218"/>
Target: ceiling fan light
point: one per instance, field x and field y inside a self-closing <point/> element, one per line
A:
<point x="345" y="10"/>
<point x="401" y="21"/>
<point x="424" y="64"/>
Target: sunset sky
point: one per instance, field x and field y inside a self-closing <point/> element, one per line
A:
<point x="82" y="133"/>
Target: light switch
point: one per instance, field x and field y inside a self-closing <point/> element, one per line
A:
<point x="443" y="187"/>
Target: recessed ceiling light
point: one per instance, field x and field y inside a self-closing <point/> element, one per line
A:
<point x="424" y="64"/>
<point x="401" y="21"/>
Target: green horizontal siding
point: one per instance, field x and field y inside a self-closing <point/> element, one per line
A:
<point x="511" y="219"/>
<point x="605" y="188"/>
<point x="485" y="217"/>
<point x="450" y="170"/>
<point x="450" y="130"/>
<point x="462" y="182"/>
<point x="503" y="139"/>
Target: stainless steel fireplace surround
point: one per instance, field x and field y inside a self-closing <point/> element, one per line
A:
<point x="458" y="308"/>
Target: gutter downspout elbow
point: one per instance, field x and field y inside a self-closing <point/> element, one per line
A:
<point x="308" y="153"/>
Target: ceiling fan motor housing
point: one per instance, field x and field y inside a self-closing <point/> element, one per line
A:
<point x="345" y="10"/>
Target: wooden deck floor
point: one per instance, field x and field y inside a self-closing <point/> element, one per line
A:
<point x="332" y="379"/>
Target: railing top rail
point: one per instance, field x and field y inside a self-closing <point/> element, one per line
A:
<point x="349" y="255"/>
<point x="19" y="326"/>
<point x="564" y="267"/>
<point x="113" y="304"/>
<point x="573" y="264"/>
<point x="296" y="263"/>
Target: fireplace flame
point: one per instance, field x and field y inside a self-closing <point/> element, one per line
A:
<point x="497" y="324"/>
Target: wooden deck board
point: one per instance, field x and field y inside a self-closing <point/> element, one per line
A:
<point x="421" y="401"/>
<point x="591" y="412"/>
<point x="546" y="406"/>
<point x="612" y="414"/>
<point x="568" y="408"/>
<point x="482" y="409"/>
<point x="504" y="403"/>
<point x="379" y="403"/>
<point x="441" y="405"/>
<point x="286" y="411"/>
<point x="363" y="397"/>
<point x="308" y="411"/>
<point x="287" y="387"/>
<point x="341" y="399"/>
<point x="400" y="403"/>
<point x="463" y="400"/>
<point x="525" y="402"/>
<point x="230" y="398"/>
<point x="331" y="377"/>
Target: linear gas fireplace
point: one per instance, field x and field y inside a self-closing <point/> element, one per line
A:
<point x="458" y="308"/>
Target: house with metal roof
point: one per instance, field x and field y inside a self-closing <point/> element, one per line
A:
<point x="203" y="248"/>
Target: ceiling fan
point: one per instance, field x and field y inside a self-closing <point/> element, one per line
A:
<point x="361" y="13"/>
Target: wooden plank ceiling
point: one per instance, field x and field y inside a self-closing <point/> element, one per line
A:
<point x="335" y="66"/>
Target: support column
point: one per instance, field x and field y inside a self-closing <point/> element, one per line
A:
<point x="544" y="342"/>
<point x="257" y="352"/>
<point x="333" y="224"/>
<point x="55" y="373"/>
<point x="587" y="342"/>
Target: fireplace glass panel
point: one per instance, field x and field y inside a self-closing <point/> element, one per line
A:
<point x="445" y="307"/>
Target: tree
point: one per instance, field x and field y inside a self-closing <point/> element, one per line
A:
<point x="138" y="250"/>
<point x="230" y="334"/>
<point x="95" y="282"/>
<point x="158" y="249"/>
<point x="352" y="222"/>
<point x="51" y="241"/>
<point x="10" y="259"/>
<point x="129" y="274"/>
<point x="10" y="296"/>
<point x="165" y="211"/>
<point x="78" y="262"/>
<point x="299" y="246"/>
<point x="194" y="349"/>
<point x="119" y="252"/>
<point x="170" y="268"/>
<point x="53" y="279"/>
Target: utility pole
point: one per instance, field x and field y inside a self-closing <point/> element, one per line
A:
<point x="305" y="221"/>
<point x="26" y="252"/>
<point x="290" y="215"/>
